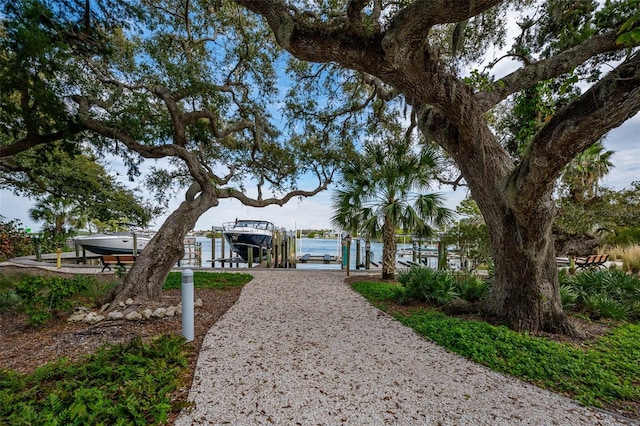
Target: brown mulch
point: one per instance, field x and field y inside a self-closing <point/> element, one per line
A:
<point x="23" y="348"/>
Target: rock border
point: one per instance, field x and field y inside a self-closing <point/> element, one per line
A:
<point x="128" y="311"/>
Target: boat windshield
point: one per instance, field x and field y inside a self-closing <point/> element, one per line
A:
<point x="256" y="224"/>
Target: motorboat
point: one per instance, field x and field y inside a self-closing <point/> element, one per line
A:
<point x="243" y="234"/>
<point x="114" y="242"/>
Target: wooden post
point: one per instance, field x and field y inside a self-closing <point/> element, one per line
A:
<point x="38" y="243"/>
<point x="274" y="245"/>
<point x="250" y="257"/>
<point x="268" y="258"/>
<point x="231" y="257"/>
<point x="58" y="257"/>
<point x="442" y="256"/>
<point x="348" y="254"/>
<point x="213" y="247"/>
<point x="367" y="255"/>
<point x="294" y="257"/>
<point x="222" y="240"/>
<point x="285" y="251"/>
<point x="358" y="254"/>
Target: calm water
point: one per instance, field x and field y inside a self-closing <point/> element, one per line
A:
<point x="313" y="246"/>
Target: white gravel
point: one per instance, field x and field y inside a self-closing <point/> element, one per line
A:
<point x="302" y="348"/>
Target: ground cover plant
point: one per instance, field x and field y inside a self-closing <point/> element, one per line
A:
<point x="600" y="372"/>
<point x="119" y="384"/>
<point x="64" y="373"/>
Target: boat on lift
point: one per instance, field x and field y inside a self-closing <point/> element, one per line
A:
<point x="243" y="234"/>
<point x="130" y="242"/>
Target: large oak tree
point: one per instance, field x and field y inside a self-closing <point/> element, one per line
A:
<point x="417" y="49"/>
<point x="195" y="84"/>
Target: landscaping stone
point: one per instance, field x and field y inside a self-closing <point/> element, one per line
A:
<point x="159" y="313"/>
<point x="115" y="315"/>
<point x="133" y="316"/>
<point x="93" y="318"/>
<point x="76" y="317"/>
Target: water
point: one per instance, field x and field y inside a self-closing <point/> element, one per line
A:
<point x="315" y="247"/>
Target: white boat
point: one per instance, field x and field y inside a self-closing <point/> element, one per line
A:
<point x="114" y="243"/>
<point x="243" y="234"/>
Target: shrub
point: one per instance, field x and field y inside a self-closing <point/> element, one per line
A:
<point x="569" y="297"/>
<point x="606" y="293"/>
<point x="631" y="260"/>
<point x="41" y="296"/>
<point x="8" y="299"/>
<point x="471" y="288"/>
<point x="119" y="384"/>
<point x="14" y="241"/>
<point x="603" y="306"/>
<point x="630" y="256"/>
<point x="428" y="285"/>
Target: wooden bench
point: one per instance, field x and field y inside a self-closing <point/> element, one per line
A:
<point x="116" y="259"/>
<point x="593" y="260"/>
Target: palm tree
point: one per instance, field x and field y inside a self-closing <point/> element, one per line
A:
<point x="55" y="213"/>
<point x="584" y="172"/>
<point x="383" y="190"/>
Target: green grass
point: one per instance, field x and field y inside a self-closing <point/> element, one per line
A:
<point x="604" y="373"/>
<point x="219" y="280"/>
<point x="120" y="384"/>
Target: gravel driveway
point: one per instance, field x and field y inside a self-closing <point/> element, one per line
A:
<point x="300" y="347"/>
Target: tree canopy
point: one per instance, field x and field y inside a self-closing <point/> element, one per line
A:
<point x="80" y="181"/>
<point x="193" y="82"/>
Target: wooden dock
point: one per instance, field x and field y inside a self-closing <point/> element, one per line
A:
<point x="319" y="259"/>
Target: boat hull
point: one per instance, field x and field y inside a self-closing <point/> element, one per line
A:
<point x="119" y="243"/>
<point x="242" y="235"/>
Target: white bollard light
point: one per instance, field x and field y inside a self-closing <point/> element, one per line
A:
<point x="187" y="304"/>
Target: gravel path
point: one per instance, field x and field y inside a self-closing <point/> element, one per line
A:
<point x="300" y="347"/>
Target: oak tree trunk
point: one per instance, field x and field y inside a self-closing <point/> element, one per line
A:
<point x="145" y="279"/>
<point x="525" y="289"/>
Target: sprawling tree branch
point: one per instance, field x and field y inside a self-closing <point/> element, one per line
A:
<point x="605" y="106"/>
<point x="546" y="69"/>
<point x="32" y="140"/>
<point x="252" y="202"/>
